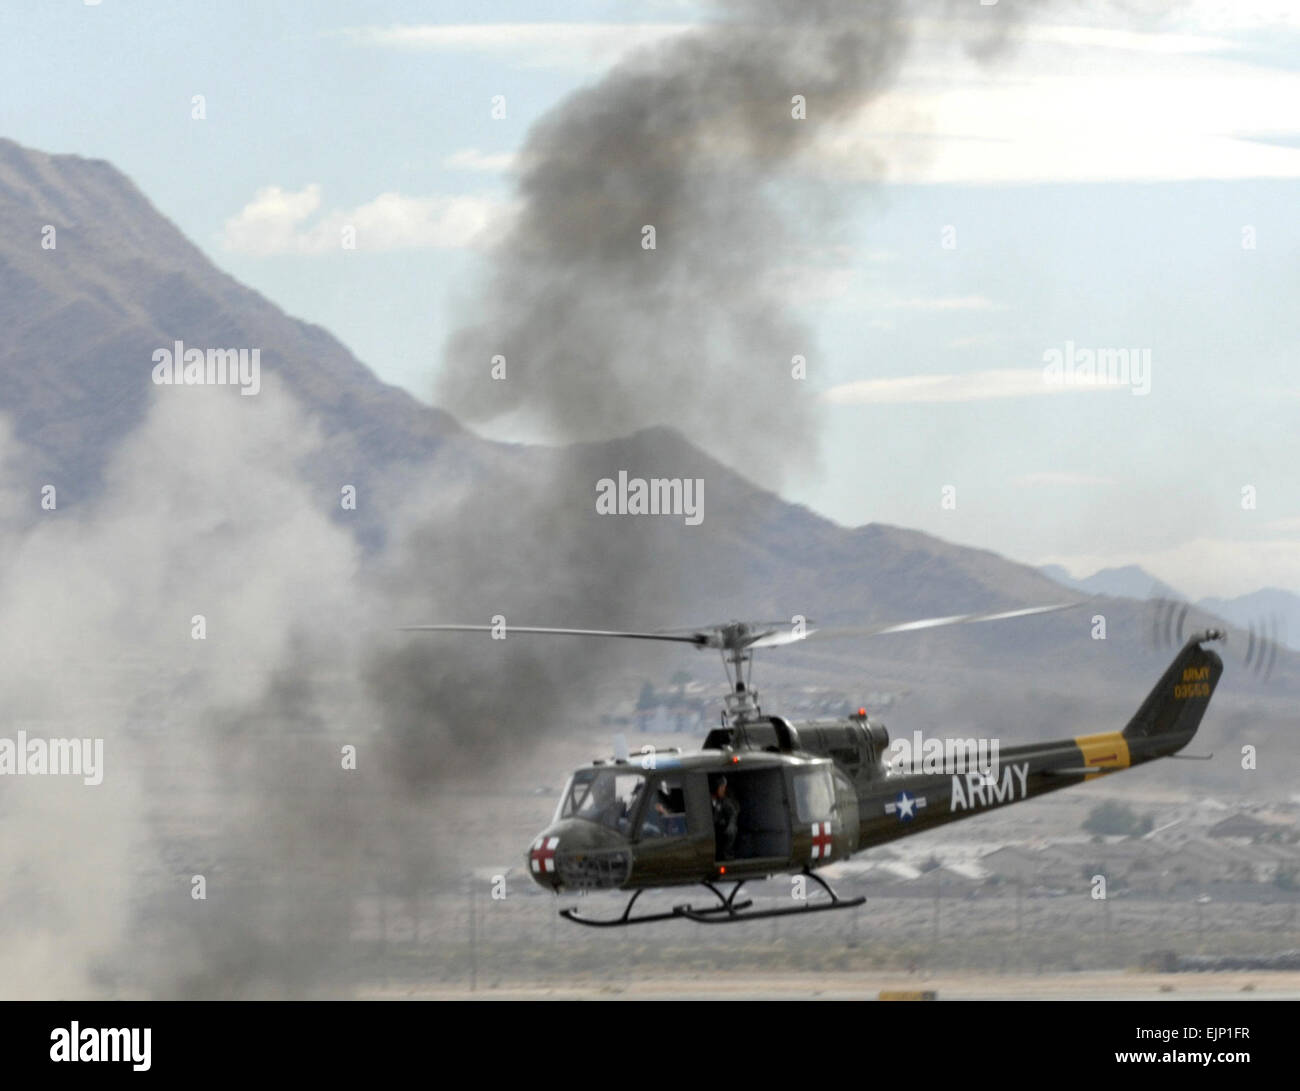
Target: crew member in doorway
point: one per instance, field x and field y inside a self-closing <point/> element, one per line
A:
<point x="726" y="820"/>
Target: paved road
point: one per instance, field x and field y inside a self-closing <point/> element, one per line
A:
<point x="1082" y="986"/>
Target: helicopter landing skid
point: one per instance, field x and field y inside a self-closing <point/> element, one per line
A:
<point x="727" y="911"/>
<point x="732" y="916"/>
<point x="726" y="904"/>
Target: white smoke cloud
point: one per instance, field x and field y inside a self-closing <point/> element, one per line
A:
<point x="203" y="512"/>
<point x="280" y="221"/>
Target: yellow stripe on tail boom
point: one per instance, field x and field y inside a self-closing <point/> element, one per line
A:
<point x="1106" y="751"/>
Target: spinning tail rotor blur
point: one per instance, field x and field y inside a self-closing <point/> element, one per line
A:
<point x="1168" y="625"/>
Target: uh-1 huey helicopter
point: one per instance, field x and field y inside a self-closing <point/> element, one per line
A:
<point x="808" y="794"/>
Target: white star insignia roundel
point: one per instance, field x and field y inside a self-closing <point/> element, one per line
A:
<point x="905" y="806"/>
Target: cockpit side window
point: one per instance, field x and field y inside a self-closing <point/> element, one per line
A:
<point x="576" y="793"/>
<point x="606" y="796"/>
<point x="665" y="815"/>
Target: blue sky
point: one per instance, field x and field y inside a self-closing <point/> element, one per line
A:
<point x="1098" y="185"/>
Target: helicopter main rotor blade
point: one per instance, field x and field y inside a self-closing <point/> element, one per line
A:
<point x="736" y="636"/>
<point x="697" y="639"/>
<point x="940" y="622"/>
<point x="786" y="635"/>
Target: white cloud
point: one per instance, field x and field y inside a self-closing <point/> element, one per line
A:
<point x="969" y="387"/>
<point x="269" y="223"/>
<point x="473" y="159"/>
<point x="529" y="45"/>
<point x="276" y="221"/>
<point x="1130" y="40"/>
<point x="1076" y="104"/>
<point x="1071" y="102"/>
<point x="1219" y="15"/>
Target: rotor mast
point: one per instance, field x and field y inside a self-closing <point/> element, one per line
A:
<point x="738" y="662"/>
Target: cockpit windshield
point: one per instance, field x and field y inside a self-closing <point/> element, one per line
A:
<point x="607" y="796"/>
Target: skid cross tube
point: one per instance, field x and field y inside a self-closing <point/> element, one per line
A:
<point x="727" y="911"/>
<point x="726" y="904"/>
<point x="734" y="917"/>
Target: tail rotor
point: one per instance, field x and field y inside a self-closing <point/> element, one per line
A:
<point x="1263" y="637"/>
<point x="1167" y="629"/>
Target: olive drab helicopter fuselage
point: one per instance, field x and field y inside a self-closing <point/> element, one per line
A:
<point x="764" y="796"/>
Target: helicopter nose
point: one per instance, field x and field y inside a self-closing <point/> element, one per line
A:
<point x="541" y="860"/>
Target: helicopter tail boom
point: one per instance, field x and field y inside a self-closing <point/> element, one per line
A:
<point x="1164" y="723"/>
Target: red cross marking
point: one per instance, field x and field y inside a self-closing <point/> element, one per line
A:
<point x="821" y="838"/>
<point x="543" y="854"/>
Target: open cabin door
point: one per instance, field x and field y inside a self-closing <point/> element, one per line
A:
<point x="762" y="819"/>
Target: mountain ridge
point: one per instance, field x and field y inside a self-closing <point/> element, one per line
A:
<point x="83" y="318"/>
<point x="82" y="321"/>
